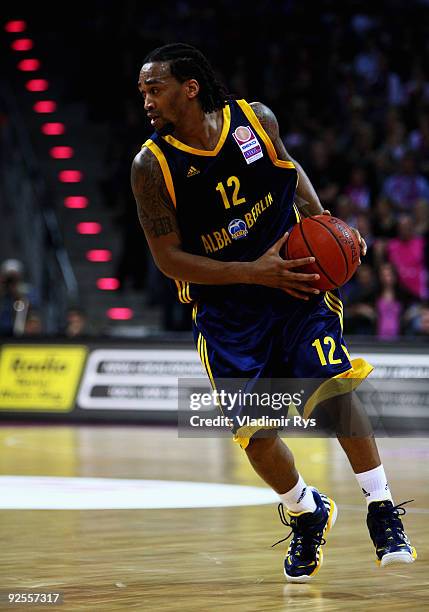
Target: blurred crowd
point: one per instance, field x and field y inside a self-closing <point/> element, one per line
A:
<point x="349" y="83"/>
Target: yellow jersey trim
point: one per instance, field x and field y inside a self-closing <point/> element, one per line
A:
<point x="183" y="291"/>
<point x="297" y="213"/>
<point x="164" y="167"/>
<point x="187" y="294"/>
<point x="179" y="290"/>
<point x="330" y="388"/>
<point x="255" y="123"/>
<point x="224" y="133"/>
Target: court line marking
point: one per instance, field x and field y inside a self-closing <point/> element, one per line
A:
<point x="84" y="493"/>
<point x="29" y="492"/>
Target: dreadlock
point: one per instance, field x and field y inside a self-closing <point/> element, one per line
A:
<point x="186" y="62"/>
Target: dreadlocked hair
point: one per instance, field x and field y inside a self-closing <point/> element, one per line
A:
<point x="187" y="62"/>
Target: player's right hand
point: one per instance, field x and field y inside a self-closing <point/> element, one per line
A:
<point x="271" y="270"/>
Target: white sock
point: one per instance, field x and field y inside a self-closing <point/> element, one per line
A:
<point x="299" y="498"/>
<point x="374" y="485"/>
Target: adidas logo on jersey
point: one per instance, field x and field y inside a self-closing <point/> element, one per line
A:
<point x="192" y="171"/>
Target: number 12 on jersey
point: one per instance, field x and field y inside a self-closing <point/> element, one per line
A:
<point x="234" y="182"/>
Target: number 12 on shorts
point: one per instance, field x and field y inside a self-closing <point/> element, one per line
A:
<point x="330" y="342"/>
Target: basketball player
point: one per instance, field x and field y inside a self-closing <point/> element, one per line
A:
<point x="216" y="194"/>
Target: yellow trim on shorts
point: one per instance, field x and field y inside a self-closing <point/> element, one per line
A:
<point x="224" y="133"/>
<point x="202" y="351"/>
<point x="164" y="167"/>
<point x="209" y="370"/>
<point x="343" y="346"/>
<point x="243" y="435"/>
<point x="330" y="388"/>
<point x="195" y="312"/>
<point x="335" y="299"/>
<point x="357" y="373"/>
<point x="334" y="304"/>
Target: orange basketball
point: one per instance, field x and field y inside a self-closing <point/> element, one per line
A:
<point x="332" y="243"/>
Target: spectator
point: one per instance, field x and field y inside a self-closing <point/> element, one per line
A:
<point x="421" y="217"/>
<point x="358" y="189"/>
<point x="407" y="254"/>
<point x="417" y="88"/>
<point x="384" y="219"/>
<point x="417" y="320"/>
<point x="389" y="83"/>
<point x="344" y="209"/>
<point x="422" y="328"/>
<point x="76" y="323"/>
<point x="366" y="64"/>
<point x="33" y="324"/>
<point x="363" y="225"/>
<point x="407" y="186"/>
<point x="15" y="295"/>
<point x="419" y="138"/>
<point x="394" y="147"/>
<point x="362" y="145"/>
<point x="359" y="297"/>
<point x="390" y="304"/>
<point x="323" y="173"/>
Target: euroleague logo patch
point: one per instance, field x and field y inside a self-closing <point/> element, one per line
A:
<point x="248" y="143"/>
<point x="238" y="229"/>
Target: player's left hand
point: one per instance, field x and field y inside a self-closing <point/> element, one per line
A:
<point x="362" y="243"/>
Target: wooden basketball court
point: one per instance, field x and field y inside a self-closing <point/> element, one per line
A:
<point x="198" y="559"/>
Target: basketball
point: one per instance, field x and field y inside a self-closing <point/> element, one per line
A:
<point x="334" y="245"/>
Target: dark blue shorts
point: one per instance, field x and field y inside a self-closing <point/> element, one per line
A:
<point x="252" y="332"/>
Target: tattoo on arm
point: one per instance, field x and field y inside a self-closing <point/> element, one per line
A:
<point x="304" y="207"/>
<point x="270" y="124"/>
<point x="154" y="206"/>
<point x="306" y="197"/>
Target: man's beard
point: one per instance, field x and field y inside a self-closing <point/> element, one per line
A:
<point x="166" y="129"/>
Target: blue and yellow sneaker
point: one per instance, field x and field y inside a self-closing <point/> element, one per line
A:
<point x="387" y="533"/>
<point x="304" y="557"/>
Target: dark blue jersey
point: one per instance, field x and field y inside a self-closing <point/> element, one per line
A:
<point x="233" y="202"/>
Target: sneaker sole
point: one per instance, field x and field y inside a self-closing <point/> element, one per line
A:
<point x="331" y="506"/>
<point x="397" y="557"/>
